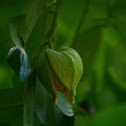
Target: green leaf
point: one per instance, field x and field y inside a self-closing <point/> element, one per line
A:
<point x="13" y="59"/>
<point x="114" y="116"/>
<point x="11" y="104"/>
<point x="65" y="66"/>
<point x="111" y="117"/>
<point x="110" y="35"/>
<point x="81" y="121"/>
<point x="9" y="115"/>
<point x="29" y="95"/>
<point x="17" y="121"/>
<point x="19" y="63"/>
<point x="90" y="39"/>
<point x="49" y="114"/>
<point x="100" y="64"/>
<point x="44" y="77"/>
<point x="21" y="26"/>
<point x="11" y="98"/>
<point x="117" y="66"/>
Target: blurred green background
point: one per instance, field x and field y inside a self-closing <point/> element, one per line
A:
<point x="102" y="46"/>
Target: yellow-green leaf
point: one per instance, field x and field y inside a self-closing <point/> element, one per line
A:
<point x="66" y="70"/>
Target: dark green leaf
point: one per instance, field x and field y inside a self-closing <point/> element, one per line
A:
<point x="21" y="26"/>
<point x="90" y="39"/>
<point x="11" y="104"/>
<point x="11" y="98"/>
<point x="44" y="77"/>
<point x="13" y="59"/>
<point x="111" y="117"/>
<point x="49" y="114"/>
<point x="19" y="63"/>
<point x="117" y="66"/>
<point x="29" y="95"/>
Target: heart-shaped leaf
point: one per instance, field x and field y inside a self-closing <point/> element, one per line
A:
<point x="66" y="70"/>
<point x="45" y="79"/>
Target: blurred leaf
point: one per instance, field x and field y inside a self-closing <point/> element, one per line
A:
<point x="120" y="21"/>
<point x="117" y="78"/>
<point x="11" y="97"/>
<point x="48" y="113"/>
<point x="110" y="35"/>
<point x="9" y="115"/>
<point x="90" y="40"/>
<point x="5" y="77"/>
<point x="39" y="34"/>
<point x="21" y="26"/>
<point x="99" y="65"/>
<point x="11" y="104"/>
<point x="107" y="98"/>
<point x="114" y="116"/>
<point x="117" y="66"/>
<point x="29" y="95"/>
<point x="67" y="24"/>
<point x="17" y="121"/>
<point x="81" y="121"/>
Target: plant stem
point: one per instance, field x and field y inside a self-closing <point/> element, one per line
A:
<point x="50" y="43"/>
<point x="76" y="35"/>
<point x="51" y="5"/>
<point x="29" y="99"/>
<point x="48" y="8"/>
<point x="54" y="23"/>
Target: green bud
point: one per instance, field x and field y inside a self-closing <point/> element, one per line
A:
<point x="65" y="68"/>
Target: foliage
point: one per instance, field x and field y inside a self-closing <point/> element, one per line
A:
<point x="95" y="29"/>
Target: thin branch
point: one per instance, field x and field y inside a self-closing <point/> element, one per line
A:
<point x="76" y="35"/>
<point x="47" y="10"/>
<point x="54" y="23"/>
<point x="51" y="5"/>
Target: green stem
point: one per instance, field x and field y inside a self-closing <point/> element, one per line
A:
<point x="76" y="35"/>
<point x="29" y="100"/>
<point x="51" y="5"/>
<point x="50" y="43"/>
<point x="34" y="61"/>
<point x="54" y="23"/>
